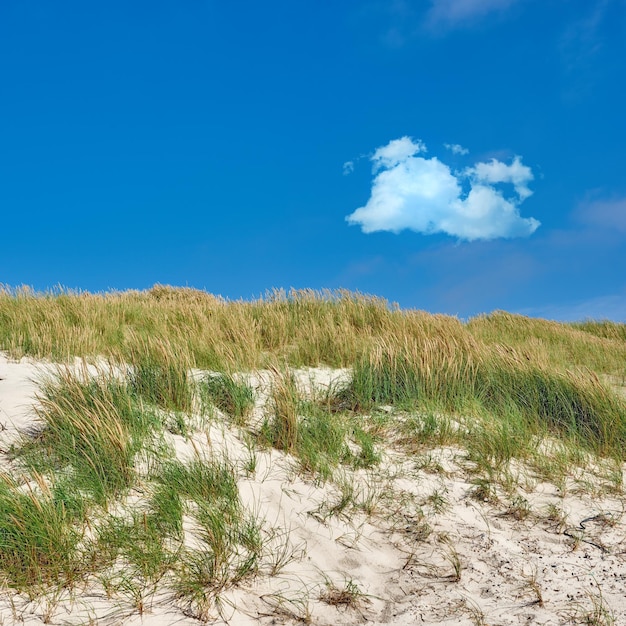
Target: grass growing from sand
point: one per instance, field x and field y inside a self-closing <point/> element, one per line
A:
<point x="301" y="328"/>
<point x="99" y="493"/>
<point x="93" y="430"/>
<point x="68" y="516"/>
<point x="311" y="431"/>
<point x="526" y="399"/>
<point x="230" y="396"/>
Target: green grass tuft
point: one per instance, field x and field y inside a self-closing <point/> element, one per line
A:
<point x="39" y="540"/>
<point x="93" y="429"/>
<point x="159" y="374"/>
<point x="466" y="378"/>
<point x="234" y="398"/>
<point x="313" y="432"/>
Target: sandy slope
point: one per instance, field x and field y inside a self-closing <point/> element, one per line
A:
<point x="422" y="551"/>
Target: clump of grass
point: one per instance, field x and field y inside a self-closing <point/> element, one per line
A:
<point x="230" y="541"/>
<point x="281" y="430"/>
<point x="519" y="508"/>
<point x="285" y="609"/>
<point x="39" y="539"/>
<point x="321" y="443"/>
<point x="573" y="404"/>
<point x="555" y="346"/>
<point x="367" y="455"/>
<point x="438" y="501"/>
<point x="460" y="376"/>
<point x="532" y="582"/>
<point x="203" y="574"/>
<point x="491" y="442"/>
<point x="234" y="398"/>
<point x="166" y="506"/>
<point x="603" y="328"/>
<point x="484" y="490"/>
<point x="159" y="374"/>
<point x="451" y="555"/>
<point x="92" y="431"/>
<point x="209" y="484"/>
<point x="139" y="541"/>
<point x="600" y="614"/>
<point x="312" y="432"/>
<point x="227" y="542"/>
<point x="348" y="596"/>
<point x="421" y="429"/>
<point x="208" y="491"/>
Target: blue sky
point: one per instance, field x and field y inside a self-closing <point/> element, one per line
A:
<point x="457" y="156"/>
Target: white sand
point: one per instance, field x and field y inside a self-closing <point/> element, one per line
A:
<point x="510" y="571"/>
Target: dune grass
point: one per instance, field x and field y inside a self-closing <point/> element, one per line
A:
<point x="604" y="329"/>
<point x="230" y="396"/>
<point x="66" y="517"/>
<point x="309" y="429"/>
<point x="300" y="328"/>
<point x="465" y="377"/>
<point x="303" y="327"/>
<point x="159" y="373"/>
<point x="545" y="376"/>
<point x="39" y="543"/>
<point x="93" y="428"/>
<point x="227" y="542"/>
<point x="498" y="386"/>
<point x="598" y="346"/>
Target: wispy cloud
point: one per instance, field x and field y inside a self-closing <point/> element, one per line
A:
<point x="608" y="307"/>
<point x="580" y="48"/>
<point x="453" y="13"/>
<point x="348" y="168"/>
<point x="581" y="40"/>
<point x="411" y="192"/>
<point x="605" y="215"/>
<point x="404" y="21"/>
<point x="455" y="148"/>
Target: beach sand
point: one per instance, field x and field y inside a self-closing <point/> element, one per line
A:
<point x="416" y="546"/>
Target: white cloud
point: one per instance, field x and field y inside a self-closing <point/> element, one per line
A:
<point x="396" y="151"/>
<point x="348" y="168"/>
<point x="497" y="172"/>
<point x="456" y="148"/>
<point x="456" y="11"/>
<point x="424" y="195"/>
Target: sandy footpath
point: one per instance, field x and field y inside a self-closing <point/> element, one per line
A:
<point x="419" y="548"/>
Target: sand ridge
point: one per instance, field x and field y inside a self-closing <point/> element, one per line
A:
<point x="416" y="545"/>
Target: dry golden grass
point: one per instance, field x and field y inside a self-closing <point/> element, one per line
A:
<point x="299" y="328"/>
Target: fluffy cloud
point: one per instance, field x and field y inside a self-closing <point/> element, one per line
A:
<point x="396" y="151"/>
<point x="497" y="172"/>
<point x="455" y="148"/>
<point x="424" y="195"/>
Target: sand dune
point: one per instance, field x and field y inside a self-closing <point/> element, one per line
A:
<point x="416" y="544"/>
